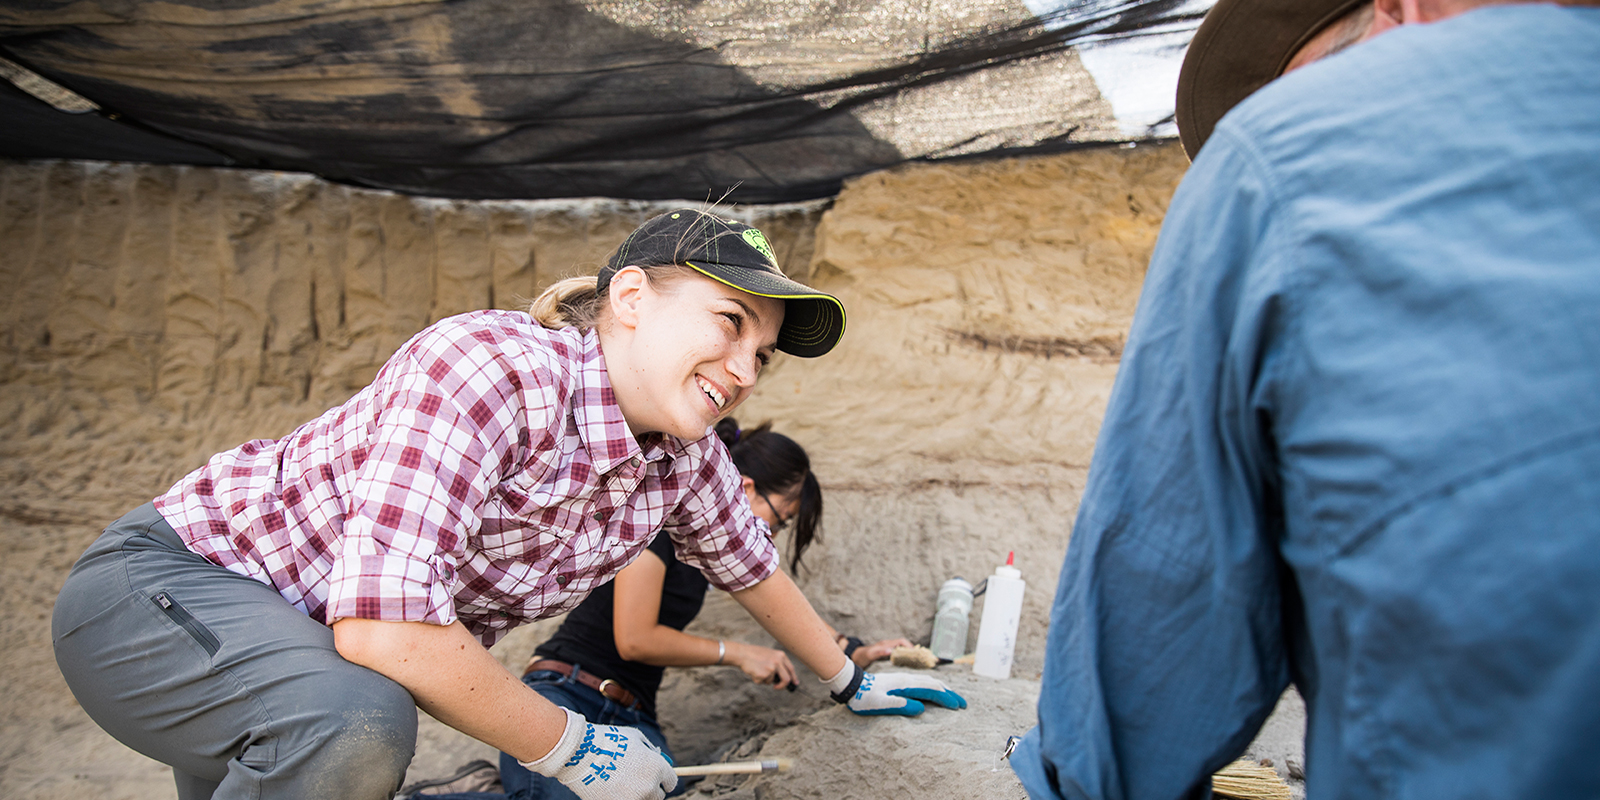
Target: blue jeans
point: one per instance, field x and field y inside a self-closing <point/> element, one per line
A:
<point x="520" y="783"/>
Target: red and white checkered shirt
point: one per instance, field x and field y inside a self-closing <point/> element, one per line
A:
<point x="486" y="475"/>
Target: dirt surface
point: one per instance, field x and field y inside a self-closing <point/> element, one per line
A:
<point x="159" y="315"/>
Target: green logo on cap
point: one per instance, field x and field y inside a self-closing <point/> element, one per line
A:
<point x="759" y="242"/>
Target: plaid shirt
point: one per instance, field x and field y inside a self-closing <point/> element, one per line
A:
<point x="486" y="475"/>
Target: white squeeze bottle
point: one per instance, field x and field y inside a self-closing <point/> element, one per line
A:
<point x="1002" y="610"/>
<point x="950" y="623"/>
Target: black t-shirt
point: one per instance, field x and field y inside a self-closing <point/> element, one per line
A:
<point x="586" y="638"/>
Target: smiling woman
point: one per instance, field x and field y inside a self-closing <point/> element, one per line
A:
<point x="500" y="467"/>
<point x="688" y="310"/>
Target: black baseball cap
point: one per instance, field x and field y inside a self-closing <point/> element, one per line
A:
<point x="1241" y="46"/>
<point x="738" y="255"/>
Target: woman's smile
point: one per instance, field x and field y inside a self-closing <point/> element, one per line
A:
<point x="716" y="394"/>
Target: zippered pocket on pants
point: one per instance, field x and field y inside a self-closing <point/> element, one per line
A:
<point x="177" y="613"/>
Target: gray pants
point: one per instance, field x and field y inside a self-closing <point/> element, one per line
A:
<point x="218" y="676"/>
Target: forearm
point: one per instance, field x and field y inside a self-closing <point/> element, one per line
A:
<point x="663" y="646"/>
<point x="779" y="607"/>
<point x="453" y="678"/>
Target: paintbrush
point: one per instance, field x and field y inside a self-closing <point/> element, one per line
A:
<point x="737" y="767"/>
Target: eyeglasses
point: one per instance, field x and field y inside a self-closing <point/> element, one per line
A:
<point x="783" y="521"/>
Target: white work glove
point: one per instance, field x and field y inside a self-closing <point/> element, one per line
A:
<point x="889" y="692"/>
<point x="606" y="761"/>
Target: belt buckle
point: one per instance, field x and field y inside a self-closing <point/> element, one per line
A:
<point x="609" y="682"/>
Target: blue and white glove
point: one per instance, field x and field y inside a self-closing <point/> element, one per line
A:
<point x="889" y="692"/>
<point x="606" y="761"/>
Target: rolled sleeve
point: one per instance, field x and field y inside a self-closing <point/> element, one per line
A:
<point x="393" y="587"/>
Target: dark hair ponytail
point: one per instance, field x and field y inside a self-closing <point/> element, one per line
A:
<point x="727" y="429"/>
<point x="778" y="466"/>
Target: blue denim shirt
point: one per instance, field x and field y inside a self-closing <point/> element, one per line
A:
<point x="1355" y="440"/>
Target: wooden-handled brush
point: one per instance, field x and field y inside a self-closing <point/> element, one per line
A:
<point x="737" y="767"/>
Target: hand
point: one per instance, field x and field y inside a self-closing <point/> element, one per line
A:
<point x="606" y="761"/>
<point x="877" y="651"/>
<point x="763" y="664"/>
<point x="899" y="693"/>
<point x="890" y="692"/>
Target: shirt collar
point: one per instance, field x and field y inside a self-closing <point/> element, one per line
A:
<point x="601" y="428"/>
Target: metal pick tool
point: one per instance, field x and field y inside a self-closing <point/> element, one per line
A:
<point x="1011" y="746"/>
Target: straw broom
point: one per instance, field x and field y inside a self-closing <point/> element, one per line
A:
<point x="1246" y="780"/>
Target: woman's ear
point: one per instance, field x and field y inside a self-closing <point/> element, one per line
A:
<point x="749" y="485"/>
<point x="626" y="295"/>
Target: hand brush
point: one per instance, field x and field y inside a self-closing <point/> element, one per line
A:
<point x="916" y="657"/>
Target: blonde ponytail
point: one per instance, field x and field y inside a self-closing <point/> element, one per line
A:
<point x="575" y="302"/>
<point x="569" y="303"/>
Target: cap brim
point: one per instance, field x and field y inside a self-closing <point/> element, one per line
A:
<point x="1241" y="46"/>
<point x="813" y="321"/>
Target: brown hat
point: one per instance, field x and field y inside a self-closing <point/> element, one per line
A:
<point x="1240" y="47"/>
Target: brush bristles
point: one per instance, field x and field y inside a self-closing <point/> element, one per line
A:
<point x="1247" y="780"/>
<point x="915" y="656"/>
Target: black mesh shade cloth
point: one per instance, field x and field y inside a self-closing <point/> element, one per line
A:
<point x="753" y="101"/>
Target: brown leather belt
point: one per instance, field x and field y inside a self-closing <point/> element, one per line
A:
<point x="608" y="688"/>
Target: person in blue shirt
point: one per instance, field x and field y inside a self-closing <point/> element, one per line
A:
<point x="1354" y="442"/>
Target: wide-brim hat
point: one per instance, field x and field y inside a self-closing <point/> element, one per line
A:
<point x="1241" y="46"/>
<point x="740" y="256"/>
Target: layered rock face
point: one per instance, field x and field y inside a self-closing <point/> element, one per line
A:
<point x="156" y="315"/>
